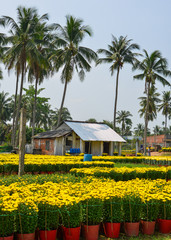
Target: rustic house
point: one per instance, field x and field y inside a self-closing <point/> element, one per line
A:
<point x="80" y="137"/>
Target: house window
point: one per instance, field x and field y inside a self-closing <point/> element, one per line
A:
<point x="47" y="145"/>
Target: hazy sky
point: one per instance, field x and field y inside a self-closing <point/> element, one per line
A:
<point x="147" y="22"/>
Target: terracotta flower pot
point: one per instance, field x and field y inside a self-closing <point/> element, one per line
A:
<point x="148" y="227"/>
<point x="91" y="232"/>
<point x="26" y="236"/>
<point x="7" y="238"/>
<point x="47" y="235"/>
<point x="112" y="230"/>
<point x="164" y="226"/>
<point x="71" y="233"/>
<point x="131" y="229"/>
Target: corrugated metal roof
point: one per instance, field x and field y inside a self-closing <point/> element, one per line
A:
<point x="94" y="132"/>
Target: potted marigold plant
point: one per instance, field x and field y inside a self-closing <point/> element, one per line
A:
<point x="132" y="213"/>
<point x="92" y="216"/>
<point x="48" y="221"/>
<point x="164" y="216"/>
<point x="150" y="210"/>
<point x="112" y="216"/>
<point x="7" y="219"/>
<point x="26" y="221"/>
<point x="71" y="220"/>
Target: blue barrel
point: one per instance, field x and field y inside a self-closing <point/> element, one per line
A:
<point x="87" y="157"/>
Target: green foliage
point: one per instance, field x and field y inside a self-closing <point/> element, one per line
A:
<point x="150" y="210"/>
<point x="7" y="220"/>
<point x="165" y="209"/>
<point x="29" y="133"/>
<point x="26" y="218"/>
<point x="132" y="208"/>
<point x="112" y="210"/>
<point x="48" y="217"/>
<point x="92" y="211"/>
<point x="71" y="215"/>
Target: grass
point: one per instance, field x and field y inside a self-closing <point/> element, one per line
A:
<point x="133" y="165"/>
<point x="157" y="236"/>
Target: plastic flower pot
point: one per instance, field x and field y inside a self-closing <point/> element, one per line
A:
<point x="112" y="230"/>
<point x="164" y="226"/>
<point x="132" y="229"/>
<point x="7" y="238"/>
<point x="71" y="233"/>
<point x="148" y="227"/>
<point x="91" y="232"/>
<point x="47" y="235"/>
<point x="26" y="236"/>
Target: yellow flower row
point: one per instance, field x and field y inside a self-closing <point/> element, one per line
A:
<point x="66" y="192"/>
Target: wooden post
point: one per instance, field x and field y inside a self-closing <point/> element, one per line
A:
<point x="119" y="148"/>
<point x="101" y="148"/>
<point x="22" y="141"/>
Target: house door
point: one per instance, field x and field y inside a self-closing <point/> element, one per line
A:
<point x="106" y="147"/>
<point x="88" y="147"/>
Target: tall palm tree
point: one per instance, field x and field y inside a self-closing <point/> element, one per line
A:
<point x="154" y="68"/>
<point x="39" y="65"/>
<point x="119" y="52"/>
<point x="70" y="55"/>
<point x="65" y="115"/>
<point x="139" y="130"/>
<point x="157" y="130"/>
<point x="152" y="107"/>
<point x="5" y="107"/>
<point x="165" y="106"/>
<point x="124" y="119"/>
<point x="23" y="45"/>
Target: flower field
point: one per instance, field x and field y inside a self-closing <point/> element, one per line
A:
<point x="50" y="204"/>
<point x="124" y="173"/>
<point x="96" y="192"/>
<point x="49" y="163"/>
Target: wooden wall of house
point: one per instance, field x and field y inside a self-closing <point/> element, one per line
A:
<point x="96" y="148"/>
<point x="58" y="146"/>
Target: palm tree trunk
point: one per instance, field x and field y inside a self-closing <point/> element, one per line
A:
<point x="116" y="98"/>
<point x="146" y="120"/>
<point x="34" y="107"/>
<point x="62" y="103"/>
<point x="14" y="113"/>
<point x="165" y="127"/>
<point x="19" y="104"/>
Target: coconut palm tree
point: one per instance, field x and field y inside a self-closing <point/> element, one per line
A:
<point x="120" y="51"/>
<point x="5" y="107"/>
<point x="152" y="107"/>
<point x="165" y="106"/>
<point x="157" y="130"/>
<point x="153" y="68"/>
<point x="65" y="115"/>
<point x="23" y="43"/>
<point x="124" y="119"/>
<point x="39" y="65"/>
<point x="70" y="55"/>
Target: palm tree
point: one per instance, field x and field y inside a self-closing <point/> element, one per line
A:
<point x="139" y="130"/>
<point x="70" y="55"/>
<point x="23" y="45"/>
<point x="153" y="67"/>
<point x="2" y="49"/>
<point x="152" y="107"/>
<point x="165" y="106"/>
<point x="124" y="120"/>
<point x="5" y="107"/>
<point x="119" y="52"/>
<point x="65" y="115"/>
<point x="39" y="66"/>
<point x="157" y="130"/>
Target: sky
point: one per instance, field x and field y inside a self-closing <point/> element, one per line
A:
<point x="146" y="22"/>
